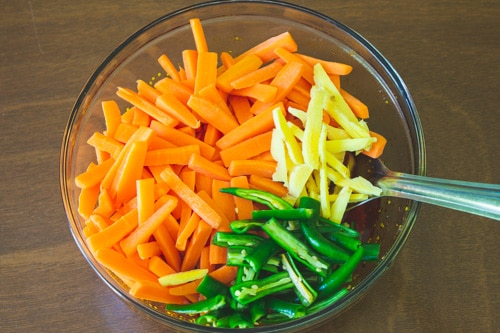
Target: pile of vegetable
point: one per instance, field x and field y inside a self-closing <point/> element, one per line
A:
<point x="221" y="190"/>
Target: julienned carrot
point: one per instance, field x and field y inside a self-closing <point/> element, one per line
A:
<point x="265" y="50"/>
<point x="105" y="204"/>
<point x="122" y="266"/>
<point x="213" y="170"/>
<point x="216" y="206"/>
<point x="167" y="247"/>
<point x="105" y="143"/>
<point x="169" y="67"/>
<point x="206" y="70"/>
<point x="241" y="108"/>
<point x="268" y="185"/>
<point x="239" y="69"/>
<point x="93" y="176"/>
<point x="225" y="201"/>
<point x="198" y="35"/>
<point x="205" y="258"/>
<point x="148" y="250"/>
<point x="147" y="91"/>
<point x="244" y="207"/>
<point x="113" y="233"/>
<point x="211" y="135"/>
<point x="227" y="61"/>
<point x="178" y="89"/>
<point x="145" y="189"/>
<point x="159" y="267"/>
<point x="155" y="292"/>
<point x="187" y="230"/>
<point x="206" y="212"/>
<point x="177" y="155"/>
<point x="189" y="59"/>
<point x="124" y="132"/>
<point x="359" y="108"/>
<point x="262" y="92"/>
<point x="140" y="117"/>
<point x="215" y="95"/>
<point x="288" y="57"/>
<point x="225" y="274"/>
<point x="247" y="149"/>
<point x="377" y="147"/>
<point x="87" y="200"/>
<point x="195" y="245"/>
<point x="112" y="116"/>
<point x="212" y="113"/>
<point x="258" y="76"/>
<point x="258" y="124"/>
<point x="142" y="233"/>
<point x="329" y="66"/>
<point x="185" y="289"/>
<point x="129" y="171"/>
<point x="176" y="109"/>
<point x="252" y="167"/>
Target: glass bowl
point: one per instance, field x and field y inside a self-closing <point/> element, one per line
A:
<point x="234" y="26"/>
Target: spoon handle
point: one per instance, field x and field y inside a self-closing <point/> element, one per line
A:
<point x="475" y="198"/>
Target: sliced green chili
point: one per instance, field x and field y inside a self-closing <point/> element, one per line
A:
<point x="210" y="287"/>
<point x="335" y="280"/>
<point x="262" y="253"/>
<point x="236" y="255"/>
<point x="258" y="310"/>
<point x="206" y="305"/>
<point x="268" y="199"/>
<point x="283" y="214"/>
<point x="339" y="227"/>
<point x="371" y="252"/>
<point x="243" y="226"/>
<point x="298" y="249"/>
<point x="289" y="309"/>
<point x="344" y="241"/>
<point x="226" y="239"/>
<point x="248" y="291"/>
<point x="327" y="301"/>
<point x="303" y="289"/>
<point x="237" y="320"/>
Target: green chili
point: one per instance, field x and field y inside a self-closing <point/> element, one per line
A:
<point x="262" y="253"/>
<point x="258" y="310"/>
<point x="268" y="199"/>
<point x="248" y="291"/>
<point x="225" y="239"/>
<point x="327" y="301"/>
<point x="243" y="226"/>
<point x="344" y="241"/>
<point x="303" y="289"/>
<point x="283" y="214"/>
<point x="298" y="249"/>
<point x="335" y="280"/>
<point x="289" y="309"/>
<point x="209" y="304"/>
<point x="371" y="252"/>
<point x="236" y="255"/>
<point x="210" y="287"/>
<point x="237" y="320"/>
<point x="353" y="233"/>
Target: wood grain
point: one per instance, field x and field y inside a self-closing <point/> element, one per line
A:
<point x="446" y="279"/>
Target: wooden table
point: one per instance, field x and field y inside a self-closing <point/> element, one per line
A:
<point x="446" y="279"/>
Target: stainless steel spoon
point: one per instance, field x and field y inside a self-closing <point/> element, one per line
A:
<point x="471" y="197"/>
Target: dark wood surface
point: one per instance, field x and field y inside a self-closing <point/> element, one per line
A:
<point x="446" y="279"/>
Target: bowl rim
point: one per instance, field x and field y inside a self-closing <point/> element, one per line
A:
<point x="375" y="274"/>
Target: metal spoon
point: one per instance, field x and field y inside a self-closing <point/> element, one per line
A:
<point x="470" y="197"/>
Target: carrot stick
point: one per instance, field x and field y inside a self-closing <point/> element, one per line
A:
<point x="100" y="222"/>
<point x="145" y="198"/>
<point x="155" y="292"/>
<point x="169" y="67"/>
<point x="268" y="185"/>
<point x="242" y="67"/>
<point x="203" y="183"/>
<point x="186" y="232"/>
<point x="247" y="149"/>
<point x="213" y="170"/>
<point x="261" y="92"/>
<point x="105" y="143"/>
<point x="159" y="267"/>
<point x="288" y="57"/>
<point x="223" y="200"/>
<point x="217" y="254"/>
<point x="105" y="204"/>
<point x="176" y="109"/>
<point x="211" y="135"/>
<point x="87" y="200"/>
<point x="329" y="66"/>
<point x="148" y="250"/>
<point x="160" y="143"/>
<point x="252" y="167"/>
<point x="241" y="108"/>
<point x="359" y="108"/>
<point x="205" y="258"/>
<point x="244" y="208"/>
<point x="198" y="35"/>
<point x="224" y="225"/>
<point x="146" y="106"/>
<point x="128" y="116"/>
<point x="265" y="50"/>
<point x="206" y="70"/>
<point x="259" y="124"/>
<point x="167" y="247"/>
<point x="177" y="155"/>
<point x="93" y="176"/>
<point x="182" y="139"/>
<point x="147" y="91"/>
<point x="227" y="60"/>
<point x="178" y="89"/>
<point x="258" y="76"/>
<point x="124" y="132"/>
<point x="142" y="233"/>
<point x="377" y="147"/>
<point x="225" y="274"/>
<point x="189" y="59"/>
<point x="195" y="245"/>
<point x="213" y="94"/>
<point x="207" y="213"/>
<point x="112" y="116"/>
<point x="185" y="289"/>
<point x="140" y="118"/>
<point x="212" y="113"/>
<point x="122" y="266"/>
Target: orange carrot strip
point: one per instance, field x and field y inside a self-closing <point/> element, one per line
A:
<point x="159" y="267"/>
<point x="212" y="113"/>
<point x="247" y="149"/>
<point x="225" y="274"/>
<point x="128" y="115"/>
<point x="224" y="225"/>
<point x="181" y="139"/>
<point x="195" y="245"/>
<point x="185" y="289"/>
<point x="124" y="132"/>
<point x="178" y="89"/>
<point x="177" y="155"/>
<point x="89" y="230"/>
<point x="213" y="170"/>
<point x="112" y="116"/>
<point x="252" y="167"/>
<point x="155" y="292"/>
<point x="105" y="143"/>
<point x="169" y="67"/>
<point x="145" y="189"/>
<point x="176" y="109"/>
<point x="259" y="124"/>
<point x="241" y="108"/>
<point x="335" y="79"/>
<point x="142" y="233"/>
<point x="377" y="147"/>
<point x="258" y="76"/>
<point x="87" y="200"/>
<point x="146" y="106"/>
<point x="211" y="135"/>
<point x="261" y="92"/>
<point x="288" y="57"/>
<point x="160" y="143"/>
<point x="227" y="60"/>
<point x="330" y="67"/>
<point x="217" y="255"/>
<point x="122" y="266"/>
<point x="301" y="100"/>
<point x="203" y="183"/>
<point x="244" y="208"/>
<point x="205" y="258"/>
<point x="100" y="222"/>
<point x="242" y="67"/>
<point x="359" y="108"/>
<point x="189" y="59"/>
<point x="167" y="247"/>
<point x="93" y="176"/>
<point x="223" y="200"/>
<point x="206" y="70"/>
<point x="140" y="118"/>
<point x="147" y="91"/>
<point x="207" y="213"/>
<point x="148" y="250"/>
<point x="265" y="50"/>
<point x="268" y="185"/>
<point x="105" y="204"/>
<point x="186" y="232"/>
<point x="198" y="35"/>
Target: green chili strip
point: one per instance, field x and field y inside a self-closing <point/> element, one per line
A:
<point x="209" y="304"/>
<point x="344" y="241"/>
<point x="268" y="199"/>
<point x="210" y="287"/>
<point x="303" y="289"/>
<point x="248" y="291"/>
<point x="283" y="214"/>
<point x="262" y="253"/>
<point x="327" y="301"/>
<point x="243" y="226"/>
<point x="340" y="227"/>
<point x="226" y="239"/>
<point x="237" y="320"/>
<point x="371" y="252"/>
<point x="289" y="309"/>
<point x="298" y="249"/>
